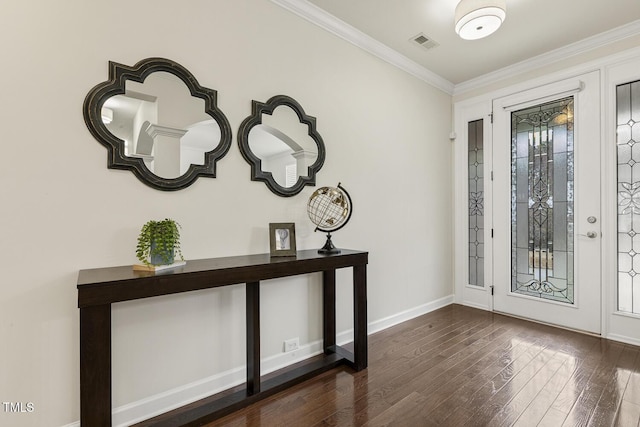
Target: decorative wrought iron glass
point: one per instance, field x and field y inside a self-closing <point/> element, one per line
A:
<point x="542" y="196"/>
<point x="476" y="203"/>
<point x="628" y="148"/>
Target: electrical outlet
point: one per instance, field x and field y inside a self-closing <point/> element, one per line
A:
<point x="291" y="345"/>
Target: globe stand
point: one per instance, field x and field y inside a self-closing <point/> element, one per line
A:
<point x="329" y="209"/>
<point x="329" y="248"/>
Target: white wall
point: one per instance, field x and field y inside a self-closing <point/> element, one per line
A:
<point x="63" y="210"/>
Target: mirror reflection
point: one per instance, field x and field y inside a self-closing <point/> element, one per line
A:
<point x="156" y="121"/>
<point x="283" y="145"/>
<point x="161" y="123"/>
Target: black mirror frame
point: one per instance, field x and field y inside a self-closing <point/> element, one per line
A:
<point x="118" y="75"/>
<point x="257" y="174"/>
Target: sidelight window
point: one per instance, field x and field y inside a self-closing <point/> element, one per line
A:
<point x="476" y="203"/>
<point x="628" y="157"/>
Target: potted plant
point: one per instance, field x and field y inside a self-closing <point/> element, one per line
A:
<point x="158" y="242"/>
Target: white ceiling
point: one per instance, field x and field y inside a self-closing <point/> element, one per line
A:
<point x="532" y="28"/>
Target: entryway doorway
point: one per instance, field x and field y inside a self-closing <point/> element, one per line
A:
<point x="533" y="197"/>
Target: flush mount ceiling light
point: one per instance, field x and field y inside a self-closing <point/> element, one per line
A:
<point x="476" y="19"/>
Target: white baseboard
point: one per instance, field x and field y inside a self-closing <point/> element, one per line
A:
<point x="403" y="316"/>
<point x="624" y="339"/>
<point x="282" y="360"/>
<point x="387" y="322"/>
<point x="157" y="404"/>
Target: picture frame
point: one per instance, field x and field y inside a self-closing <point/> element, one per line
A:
<point x="282" y="238"/>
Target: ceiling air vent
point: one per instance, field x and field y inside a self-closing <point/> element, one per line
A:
<point x="424" y="41"/>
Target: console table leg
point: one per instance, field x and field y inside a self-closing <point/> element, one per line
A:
<point x="95" y="366"/>
<point x="253" y="337"/>
<point x="360" y="316"/>
<point x="329" y="310"/>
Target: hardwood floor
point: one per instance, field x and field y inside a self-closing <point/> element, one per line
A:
<point x="459" y="366"/>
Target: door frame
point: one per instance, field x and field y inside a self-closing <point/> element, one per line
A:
<point x="585" y="89"/>
<point x="464" y="112"/>
<point x="616" y="68"/>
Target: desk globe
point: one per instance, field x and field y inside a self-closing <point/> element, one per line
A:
<point x="329" y="209"/>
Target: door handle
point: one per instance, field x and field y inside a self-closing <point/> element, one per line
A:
<point x="590" y="234"/>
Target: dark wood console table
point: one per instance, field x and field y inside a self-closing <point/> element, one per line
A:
<point x="99" y="288"/>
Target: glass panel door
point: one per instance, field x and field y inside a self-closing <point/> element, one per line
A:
<point x="542" y="201"/>
<point x="546" y="161"/>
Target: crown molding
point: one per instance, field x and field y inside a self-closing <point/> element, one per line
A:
<point x="573" y="49"/>
<point x="330" y="23"/>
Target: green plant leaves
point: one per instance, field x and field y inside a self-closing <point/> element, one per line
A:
<point x="159" y="238"/>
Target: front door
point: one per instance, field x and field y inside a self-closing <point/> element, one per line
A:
<point x="546" y="216"/>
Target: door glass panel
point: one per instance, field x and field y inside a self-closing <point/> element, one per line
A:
<point x="476" y="203"/>
<point x="542" y="201"/>
<point x="628" y="153"/>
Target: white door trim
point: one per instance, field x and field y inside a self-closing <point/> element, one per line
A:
<point x="584" y="313"/>
<point x="474" y="296"/>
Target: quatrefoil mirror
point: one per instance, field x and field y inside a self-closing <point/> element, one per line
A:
<point x="281" y="143"/>
<point x="156" y="120"/>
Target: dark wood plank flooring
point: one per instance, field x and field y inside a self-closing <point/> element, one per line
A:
<point x="459" y="366"/>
